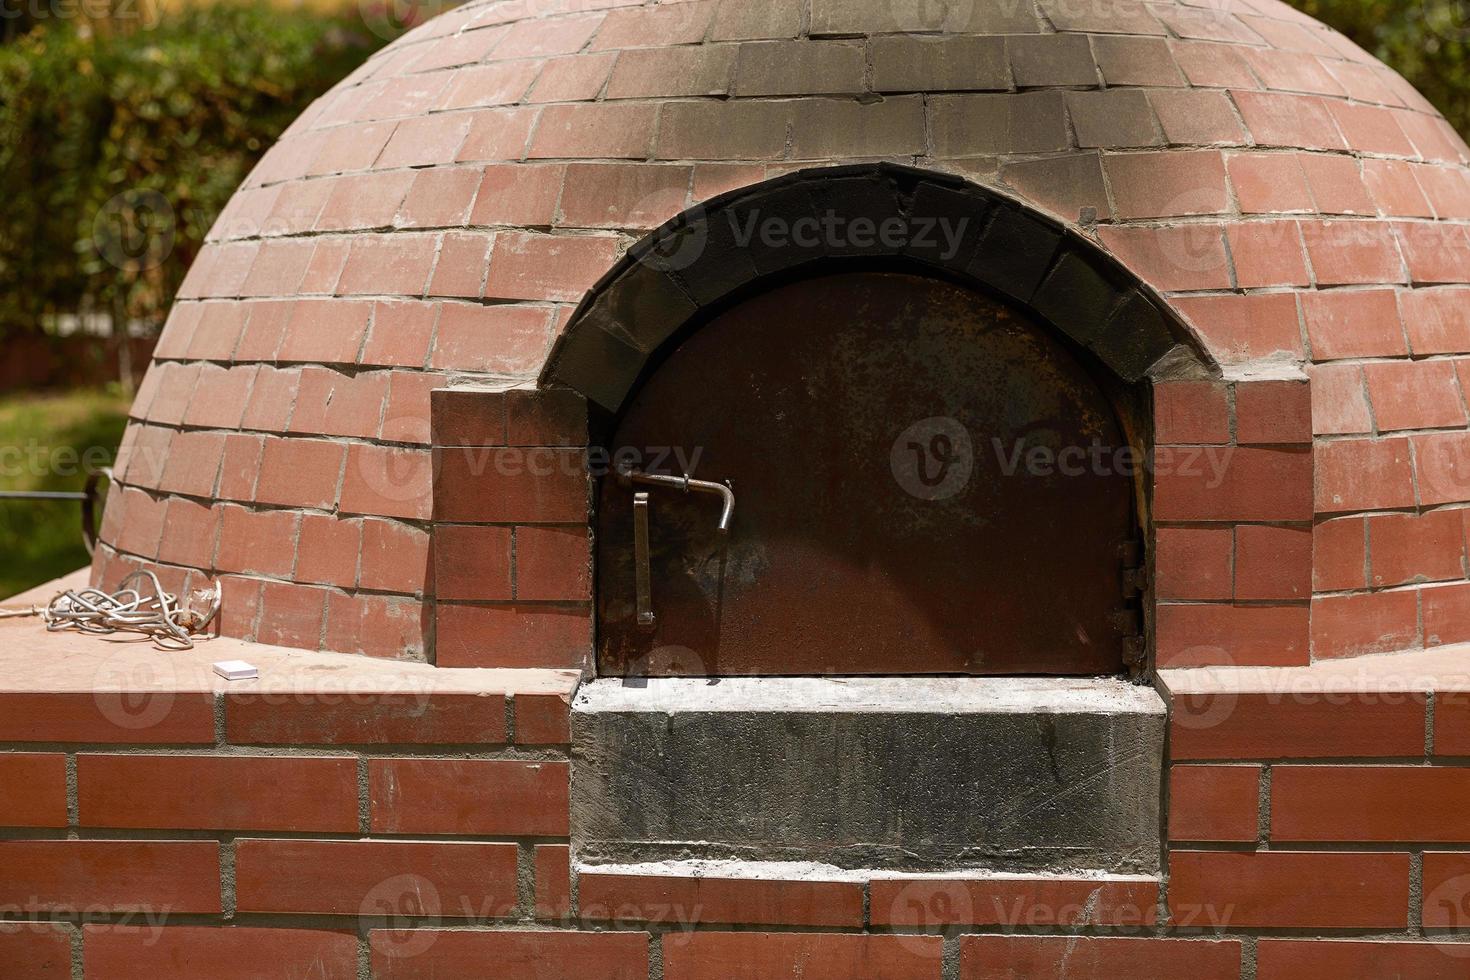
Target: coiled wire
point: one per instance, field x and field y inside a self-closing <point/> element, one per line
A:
<point x="156" y="614"/>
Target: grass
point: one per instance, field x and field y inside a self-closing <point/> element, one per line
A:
<point x="49" y="442"/>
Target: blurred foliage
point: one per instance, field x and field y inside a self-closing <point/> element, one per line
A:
<point x="50" y="443"/>
<point x="121" y="143"/>
<point x="1427" y="41"/>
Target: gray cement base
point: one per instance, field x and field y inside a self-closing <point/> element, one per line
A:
<point x="1010" y="774"/>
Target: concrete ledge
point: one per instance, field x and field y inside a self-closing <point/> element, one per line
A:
<point x="1012" y="774"/>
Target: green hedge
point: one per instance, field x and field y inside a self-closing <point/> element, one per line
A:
<point x="119" y="149"/>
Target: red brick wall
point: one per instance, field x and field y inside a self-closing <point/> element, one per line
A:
<point x="426" y="835"/>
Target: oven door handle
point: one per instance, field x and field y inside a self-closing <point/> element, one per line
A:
<point x="642" y="560"/>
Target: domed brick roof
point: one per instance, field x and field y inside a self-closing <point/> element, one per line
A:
<point x="438" y="215"/>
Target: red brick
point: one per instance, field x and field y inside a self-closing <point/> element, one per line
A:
<point x="401" y="334"/>
<point x="469" y="797"/>
<point x="1337" y="184"/>
<point x="406" y="417"/>
<point x="1293" y="121"/>
<point x="1273" y="412"/>
<point x="1369" y="129"/>
<point x="1269" y="183"/>
<point x="440" y="197"/>
<point x="232" y="953"/>
<point x="325" y="331"/>
<point x="32" y="790"/>
<point x="543" y="955"/>
<point x="545" y="417"/>
<point x="629" y="196"/>
<point x="1356" y="625"/>
<point x="109" y="875"/>
<point x="388" y="265"/>
<point x="1446" y="614"/>
<point x="325" y="268"/>
<point x="395" y="557"/>
<point x="144" y="525"/>
<point x="553" y="563"/>
<point x="1446" y="889"/>
<point x="258" y="542"/>
<point x="1273" y="563"/>
<point x="1194" y="563"/>
<point x="1267" y="253"/>
<point x="543" y="719"/>
<point x="191" y="534"/>
<point x="512" y="636"/>
<point x="1246" y="328"/>
<point x="1166" y="185"/>
<point x="553" y="866"/>
<point x="510" y="485"/>
<point x="391" y="627"/>
<point x="601" y="130"/>
<point x="1222" y="484"/>
<point x="272" y="398"/>
<point x="1435" y="253"/>
<point x="328" y="551"/>
<point x="810" y="956"/>
<point x="1191" y="412"/>
<point x="460" y="269"/>
<point x="681" y="901"/>
<point x="1180" y="258"/>
<point x="507" y="340"/>
<point x="1339" y="400"/>
<point x="498" y="134"/>
<point x="278" y="268"/>
<point x="34" y="951"/>
<point x="557" y="268"/>
<point x="1447" y="190"/>
<point x="1363" y="474"/>
<point x="574" y="78"/>
<point x="363" y="201"/>
<point x="1352" y="252"/>
<point x="1224" y="635"/>
<point x="1012" y="902"/>
<point x="240" y="466"/>
<point x="1394" y="189"/>
<point x="472" y="562"/>
<point x="1438" y="320"/>
<point x="220" y="398"/>
<point x="448" y="879"/>
<point x="1214" y="803"/>
<point x="1442" y="467"/>
<point x="265" y="330"/>
<point x="464" y="416"/>
<point x="1306" y="725"/>
<point x="193" y="463"/>
<point x="522" y="195"/>
<point x="388" y="482"/>
<point x="1195" y="118"/>
<point x="563" y="35"/>
<point x="1317" y="959"/>
<point x="367" y="718"/>
<point x="1373" y="803"/>
<point x="1038" y="957"/>
<point x="1283" y="889"/>
<point x="291" y="615"/>
<point x="351" y="148"/>
<point x="1416" y="547"/>
<point x="1340" y="555"/>
<point x="1415" y="395"/>
<point x="223" y="793"/>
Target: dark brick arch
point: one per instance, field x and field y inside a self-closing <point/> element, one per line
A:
<point x="716" y="251"/>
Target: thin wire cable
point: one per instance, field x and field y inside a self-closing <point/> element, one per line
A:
<point x="156" y="614"/>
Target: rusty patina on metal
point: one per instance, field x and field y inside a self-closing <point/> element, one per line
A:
<point x="926" y="482"/>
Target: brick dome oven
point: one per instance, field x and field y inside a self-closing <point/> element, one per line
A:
<point x="1001" y="421"/>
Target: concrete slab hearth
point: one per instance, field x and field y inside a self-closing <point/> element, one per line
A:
<point x="1015" y="774"/>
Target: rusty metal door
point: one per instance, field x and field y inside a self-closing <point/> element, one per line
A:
<point x="924" y="481"/>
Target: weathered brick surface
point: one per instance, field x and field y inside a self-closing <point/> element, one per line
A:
<point x="231" y="953"/>
<point x="814" y="956"/>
